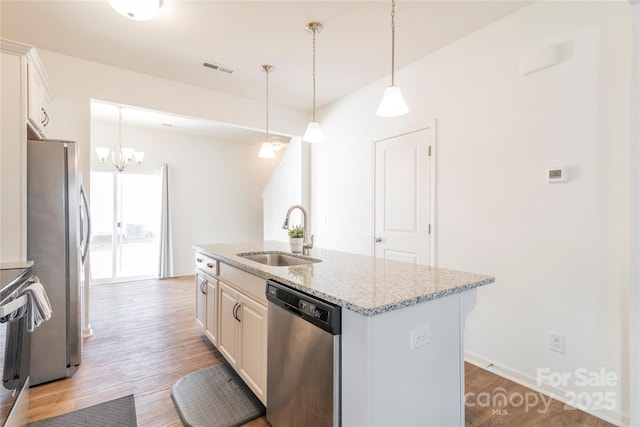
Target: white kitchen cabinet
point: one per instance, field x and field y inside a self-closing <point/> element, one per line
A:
<point x="252" y="345"/>
<point x="211" y="328"/>
<point x="243" y="337"/>
<point x="38" y="98"/>
<point x="16" y="61"/>
<point x="228" y="336"/>
<point x="201" y="301"/>
<point x="206" y="287"/>
<point x="231" y="310"/>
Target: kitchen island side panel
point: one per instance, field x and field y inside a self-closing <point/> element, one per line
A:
<point x="385" y="382"/>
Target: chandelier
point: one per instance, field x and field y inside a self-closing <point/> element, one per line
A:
<point x="119" y="155"/>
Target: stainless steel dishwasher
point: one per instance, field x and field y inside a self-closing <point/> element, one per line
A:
<point x="303" y="364"/>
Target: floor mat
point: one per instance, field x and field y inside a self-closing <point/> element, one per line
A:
<point x="215" y="397"/>
<point x="114" y="413"/>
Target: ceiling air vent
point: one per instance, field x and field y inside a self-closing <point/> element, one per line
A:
<point x="218" y="67"/>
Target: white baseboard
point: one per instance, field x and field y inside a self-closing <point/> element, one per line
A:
<point x="530" y="382"/>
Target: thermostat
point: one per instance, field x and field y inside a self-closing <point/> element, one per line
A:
<point x="558" y="174"/>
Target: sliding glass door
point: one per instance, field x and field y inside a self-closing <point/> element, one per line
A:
<point x="125" y="210"/>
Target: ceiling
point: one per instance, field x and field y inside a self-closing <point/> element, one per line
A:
<point x="353" y="50"/>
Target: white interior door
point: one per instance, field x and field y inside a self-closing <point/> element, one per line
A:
<point x="403" y="197"/>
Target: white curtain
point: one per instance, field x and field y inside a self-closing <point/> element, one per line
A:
<point x="165" y="266"/>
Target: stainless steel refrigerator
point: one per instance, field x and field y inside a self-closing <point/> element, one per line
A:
<point x="57" y="242"/>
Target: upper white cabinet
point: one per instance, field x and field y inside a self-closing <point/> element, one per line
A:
<point x="38" y="96"/>
<point x="18" y="62"/>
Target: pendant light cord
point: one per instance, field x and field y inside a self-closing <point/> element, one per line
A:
<point x="313" y="119"/>
<point x="120" y="128"/>
<point x="266" y="138"/>
<point x="393" y="40"/>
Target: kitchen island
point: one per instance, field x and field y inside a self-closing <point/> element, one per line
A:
<point x="402" y="329"/>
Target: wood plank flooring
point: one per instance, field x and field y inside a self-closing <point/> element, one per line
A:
<point x="145" y="339"/>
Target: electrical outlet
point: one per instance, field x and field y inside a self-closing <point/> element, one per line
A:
<point x="557" y="343"/>
<point x="419" y="337"/>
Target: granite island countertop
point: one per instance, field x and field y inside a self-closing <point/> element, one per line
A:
<point x="363" y="284"/>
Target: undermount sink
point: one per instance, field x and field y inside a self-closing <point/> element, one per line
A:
<point x="278" y="259"/>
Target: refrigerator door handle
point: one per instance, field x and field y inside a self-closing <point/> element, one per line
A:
<point x="85" y="239"/>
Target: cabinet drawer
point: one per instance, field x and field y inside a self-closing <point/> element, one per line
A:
<point x="206" y="264"/>
<point x="251" y="285"/>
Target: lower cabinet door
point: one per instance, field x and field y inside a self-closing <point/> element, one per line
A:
<point x="252" y="348"/>
<point x="201" y="301"/>
<point x="227" y="329"/>
<point x="212" y="311"/>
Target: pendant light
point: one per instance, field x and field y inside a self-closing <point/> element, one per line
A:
<point x="313" y="132"/>
<point x="120" y="155"/>
<point x="392" y="104"/>
<point x="266" y="150"/>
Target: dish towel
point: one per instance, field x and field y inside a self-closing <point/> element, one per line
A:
<point x="37" y="309"/>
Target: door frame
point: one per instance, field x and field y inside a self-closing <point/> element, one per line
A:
<point x="433" y="220"/>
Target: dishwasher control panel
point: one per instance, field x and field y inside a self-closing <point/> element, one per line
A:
<point x="314" y="311"/>
<point x="321" y="313"/>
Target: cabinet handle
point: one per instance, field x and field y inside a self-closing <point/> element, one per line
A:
<point x="45" y="120"/>
<point x="235" y="311"/>
<point x="377" y="239"/>
<point x="198" y="259"/>
<point x="203" y="288"/>
<point x="209" y="265"/>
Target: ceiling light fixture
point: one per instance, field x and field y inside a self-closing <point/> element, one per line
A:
<point x="266" y="150"/>
<point x="392" y="104"/>
<point x="140" y="10"/>
<point x="313" y="132"/>
<point x="120" y="155"/>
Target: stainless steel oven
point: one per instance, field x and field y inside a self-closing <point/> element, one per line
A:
<point x="15" y="349"/>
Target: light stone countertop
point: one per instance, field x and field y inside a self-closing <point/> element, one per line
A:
<point x="15" y="264"/>
<point x="363" y="284"/>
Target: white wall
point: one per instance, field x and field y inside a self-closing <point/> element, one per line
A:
<point x="283" y="190"/>
<point x="559" y="252"/>
<point x="213" y="197"/>
<point x="75" y="82"/>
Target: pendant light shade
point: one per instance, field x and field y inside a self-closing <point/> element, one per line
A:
<point x="266" y="151"/>
<point x="140" y="10"/>
<point x="313" y="132"/>
<point x="392" y="104"/>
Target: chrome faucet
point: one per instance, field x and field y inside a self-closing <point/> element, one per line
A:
<point x="306" y="244"/>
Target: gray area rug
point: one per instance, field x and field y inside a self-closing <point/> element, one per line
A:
<point x="114" y="413"/>
<point x="215" y="397"/>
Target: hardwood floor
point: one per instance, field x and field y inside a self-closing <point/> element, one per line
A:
<point x="482" y="386"/>
<point x="145" y="339"/>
